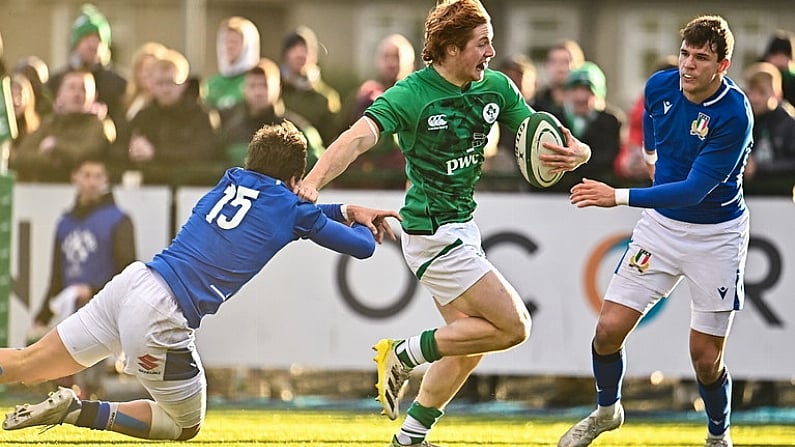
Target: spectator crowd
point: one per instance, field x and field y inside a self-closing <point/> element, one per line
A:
<point x="161" y="123"/>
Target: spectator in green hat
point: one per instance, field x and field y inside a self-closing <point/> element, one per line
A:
<point x="592" y="121"/>
<point x="89" y="41"/>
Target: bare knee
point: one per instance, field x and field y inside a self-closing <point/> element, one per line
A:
<point x="708" y="370"/>
<point x="607" y="339"/>
<point x="519" y="331"/>
<point x="615" y="323"/>
<point x="189" y="433"/>
<point x="706" y="355"/>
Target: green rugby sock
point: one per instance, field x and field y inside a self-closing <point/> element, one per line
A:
<point x="418" y="423"/>
<point x="419" y="349"/>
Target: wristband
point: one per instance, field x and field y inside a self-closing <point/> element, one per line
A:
<point x="344" y="212"/>
<point x="622" y="196"/>
<point x="650" y="157"/>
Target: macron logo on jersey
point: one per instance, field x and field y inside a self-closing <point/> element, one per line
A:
<point x="666" y="107"/>
<point x="437" y="122"/>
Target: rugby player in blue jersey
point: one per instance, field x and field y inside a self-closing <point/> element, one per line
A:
<point x="150" y="311"/>
<point x="695" y="226"/>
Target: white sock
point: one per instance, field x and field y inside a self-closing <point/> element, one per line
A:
<point x="411" y="346"/>
<point x="608" y="411"/>
<point x="411" y="430"/>
<point x="723" y="435"/>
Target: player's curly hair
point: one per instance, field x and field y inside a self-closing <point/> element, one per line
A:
<point x="712" y="30"/>
<point x="278" y="151"/>
<point x="451" y="23"/>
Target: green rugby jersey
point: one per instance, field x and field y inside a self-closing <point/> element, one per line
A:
<point x="442" y="132"/>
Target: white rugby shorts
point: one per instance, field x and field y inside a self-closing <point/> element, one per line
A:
<point x="447" y="262"/>
<point x="710" y="258"/>
<point x="136" y="314"/>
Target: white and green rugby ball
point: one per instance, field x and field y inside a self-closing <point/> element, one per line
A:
<point x="538" y="128"/>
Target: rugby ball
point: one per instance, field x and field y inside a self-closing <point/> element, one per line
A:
<point x="540" y="127"/>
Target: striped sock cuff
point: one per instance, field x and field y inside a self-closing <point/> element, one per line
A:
<point x="95" y="415"/>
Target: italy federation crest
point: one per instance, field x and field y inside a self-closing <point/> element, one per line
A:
<point x="700" y="126"/>
<point x="640" y="260"/>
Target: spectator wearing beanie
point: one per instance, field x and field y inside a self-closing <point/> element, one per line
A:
<point x="592" y="121"/>
<point x="303" y="91"/>
<point x="779" y="53"/>
<point x="90" y="41"/>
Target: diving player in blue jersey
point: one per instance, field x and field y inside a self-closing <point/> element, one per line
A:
<point x="697" y="137"/>
<point x="150" y="311"/>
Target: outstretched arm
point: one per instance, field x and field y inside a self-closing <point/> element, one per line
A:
<point x="688" y="192"/>
<point x="372" y="218"/>
<point x="340" y="154"/>
<point x="356" y="240"/>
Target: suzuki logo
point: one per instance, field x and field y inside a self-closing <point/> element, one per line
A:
<point x="147" y="362"/>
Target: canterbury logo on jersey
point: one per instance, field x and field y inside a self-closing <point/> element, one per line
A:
<point x="437" y="122"/>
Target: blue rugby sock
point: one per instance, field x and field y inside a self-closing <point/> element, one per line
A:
<point x="608" y="372"/>
<point x="97" y="415"/>
<point x="717" y="403"/>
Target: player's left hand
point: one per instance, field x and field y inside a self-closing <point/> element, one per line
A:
<point x="566" y="158"/>
<point x="374" y="219"/>
<point x="592" y="193"/>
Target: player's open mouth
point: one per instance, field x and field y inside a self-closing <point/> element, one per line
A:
<point x="482" y="66"/>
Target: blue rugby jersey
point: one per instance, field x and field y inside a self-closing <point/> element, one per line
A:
<point x="86" y="246"/>
<point x="235" y="229"/>
<point x="702" y="150"/>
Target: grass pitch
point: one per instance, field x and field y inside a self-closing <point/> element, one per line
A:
<point x="301" y="428"/>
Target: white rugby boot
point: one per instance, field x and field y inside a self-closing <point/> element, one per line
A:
<point x="725" y="441"/>
<point x="50" y="412"/>
<point x="584" y="432"/>
<point x="395" y="443"/>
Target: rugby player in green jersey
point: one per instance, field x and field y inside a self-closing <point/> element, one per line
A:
<point x="442" y="115"/>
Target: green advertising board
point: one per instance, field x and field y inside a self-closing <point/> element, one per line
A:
<point x="8" y="121"/>
<point x="8" y="131"/>
<point x="6" y="196"/>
